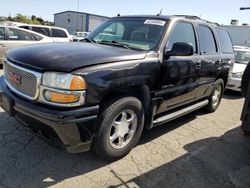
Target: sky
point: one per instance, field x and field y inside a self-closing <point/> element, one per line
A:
<point x="220" y="11"/>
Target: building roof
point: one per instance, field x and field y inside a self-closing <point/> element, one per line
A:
<point x="70" y="11"/>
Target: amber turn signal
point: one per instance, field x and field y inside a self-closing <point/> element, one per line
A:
<point x="60" y="97"/>
<point x="78" y="83"/>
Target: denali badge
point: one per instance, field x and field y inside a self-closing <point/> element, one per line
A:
<point x="14" y="77"/>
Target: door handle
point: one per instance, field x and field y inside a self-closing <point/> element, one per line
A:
<point x="217" y="62"/>
<point x="197" y="65"/>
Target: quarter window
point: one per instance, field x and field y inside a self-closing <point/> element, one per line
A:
<point x="182" y="32"/>
<point x="207" y="42"/>
<point x="58" y="33"/>
<point x="225" y="41"/>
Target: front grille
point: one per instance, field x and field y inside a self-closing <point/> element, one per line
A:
<point x="22" y="81"/>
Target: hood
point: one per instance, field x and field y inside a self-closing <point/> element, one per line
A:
<point x="238" y="67"/>
<point x="66" y="57"/>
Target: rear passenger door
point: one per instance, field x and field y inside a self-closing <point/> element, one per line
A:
<point x="210" y="60"/>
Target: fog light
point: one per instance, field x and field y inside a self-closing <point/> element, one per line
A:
<point x="60" y="97"/>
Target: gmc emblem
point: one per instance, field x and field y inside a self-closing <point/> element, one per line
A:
<point x="14" y="77"/>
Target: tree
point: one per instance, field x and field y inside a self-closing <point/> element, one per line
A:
<point x="33" y="17"/>
<point x="40" y="20"/>
<point x="29" y="20"/>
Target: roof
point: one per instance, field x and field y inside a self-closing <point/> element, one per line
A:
<point x="70" y="11"/>
<point x="168" y="17"/>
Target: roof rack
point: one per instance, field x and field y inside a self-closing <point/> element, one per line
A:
<point x="188" y="16"/>
<point x="197" y="17"/>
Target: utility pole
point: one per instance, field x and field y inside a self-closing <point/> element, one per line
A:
<point x="77" y="18"/>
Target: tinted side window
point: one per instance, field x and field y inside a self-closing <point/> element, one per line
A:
<point x="182" y="32"/>
<point x="16" y="34"/>
<point x="225" y="41"/>
<point x="25" y="27"/>
<point x="2" y="33"/>
<point x="58" y="33"/>
<point x="207" y="41"/>
<point x="43" y="31"/>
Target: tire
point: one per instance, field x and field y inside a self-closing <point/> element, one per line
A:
<point x="246" y="133"/>
<point x="121" y="124"/>
<point x="215" y="97"/>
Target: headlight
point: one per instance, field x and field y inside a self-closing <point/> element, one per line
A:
<point x="63" y="81"/>
<point x="237" y="75"/>
<point x="62" y="89"/>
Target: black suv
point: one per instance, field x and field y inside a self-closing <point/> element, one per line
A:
<point x="131" y="73"/>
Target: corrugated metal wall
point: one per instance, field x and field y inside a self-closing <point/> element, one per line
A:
<point x="94" y="21"/>
<point x="74" y="21"/>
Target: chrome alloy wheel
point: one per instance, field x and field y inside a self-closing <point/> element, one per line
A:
<point x="123" y="129"/>
<point x="216" y="95"/>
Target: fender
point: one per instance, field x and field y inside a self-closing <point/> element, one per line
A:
<point x="115" y="77"/>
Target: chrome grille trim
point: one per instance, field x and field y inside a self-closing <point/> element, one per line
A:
<point x="38" y="77"/>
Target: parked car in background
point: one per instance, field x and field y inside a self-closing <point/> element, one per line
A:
<point x="242" y="58"/>
<point x="79" y="35"/>
<point x="131" y="73"/>
<point x="58" y="34"/>
<point x="11" y="37"/>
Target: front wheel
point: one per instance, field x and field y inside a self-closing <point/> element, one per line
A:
<point x="121" y="124"/>
<point x="215" y="97"/>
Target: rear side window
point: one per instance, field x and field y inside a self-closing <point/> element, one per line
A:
<point x="225" y="41"/>
<point x="58" y="33"/>
<point x="17" y="34"/>
<point x="25" y="27"/>
<point x="182" y="32"/>
<point x="41" y="30"/>
<point x="207" y="40"/>
<point x="2" y="33"/>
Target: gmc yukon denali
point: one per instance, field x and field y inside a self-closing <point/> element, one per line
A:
<point x="129" y="74"/>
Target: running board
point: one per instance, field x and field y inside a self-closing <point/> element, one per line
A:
<point x="179" y="113"/>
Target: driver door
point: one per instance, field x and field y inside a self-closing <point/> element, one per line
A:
<point x="179" y="74"/>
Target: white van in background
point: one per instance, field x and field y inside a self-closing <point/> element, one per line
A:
<point x="58" y="34"/>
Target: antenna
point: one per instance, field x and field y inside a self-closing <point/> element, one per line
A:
<point x="159" y="13"/>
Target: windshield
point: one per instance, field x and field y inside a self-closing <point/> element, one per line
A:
<point x="242" y="57"/>
<point x="140" y="34"/>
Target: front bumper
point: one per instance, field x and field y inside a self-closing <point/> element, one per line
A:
<point x="234" y="84"/>
<point x="73" y="129"/>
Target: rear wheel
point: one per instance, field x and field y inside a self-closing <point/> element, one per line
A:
<point x="121" y="124"/>
<point x="215" y="97"/>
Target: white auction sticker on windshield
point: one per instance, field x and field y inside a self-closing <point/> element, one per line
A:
<point x="155" y="22"/>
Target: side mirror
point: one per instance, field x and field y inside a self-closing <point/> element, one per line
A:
<point x="180" y="49"/>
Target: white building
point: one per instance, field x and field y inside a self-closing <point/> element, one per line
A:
<point x="77" y="21"/>
<point x="240" y="35"/>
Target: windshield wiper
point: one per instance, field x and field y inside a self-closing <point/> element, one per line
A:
<point x="113" y="42"/>
<point x="88" y="40"/>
